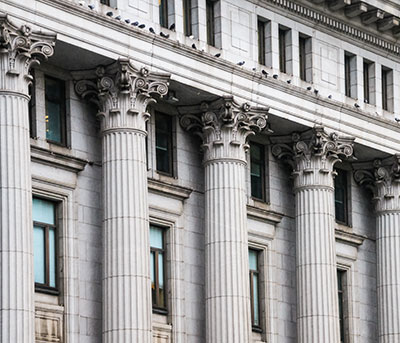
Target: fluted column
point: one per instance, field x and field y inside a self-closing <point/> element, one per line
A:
<point x="313" y="158"/>
<point x="19" y="49"/>
<point x="122" y="94"/>
<point x="384" y="179"/>
<point x="224" y="127"/>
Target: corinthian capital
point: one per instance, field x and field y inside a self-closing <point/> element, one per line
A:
<point x="224" y="126"/>
<point x="383" y="179"/>
<point x="122" y="93"/>
<point x="21" y="47"/>
<point x="313" y="154"/>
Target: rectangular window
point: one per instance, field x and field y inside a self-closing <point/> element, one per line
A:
<point x="210" y="18"/>
<point x="254" y="289"/>
<point x="257" y="171"/>
<point x="163" y="10"/>
<point x="157" y="268"/>
<point x="341" y="277"/>
<point x="282" y="50"/>
<point x="341" y="196"/>
<point x="350" y="75"/>
<point x="387" y="89"/>
<point x="55" y="110"/>
<point x="261" y="41"/>
<point x="305" y="58"/>
<point x="105" y="2"/>
<point x="384" y="89"/>
<point x="32" y="107"/>
<point x="164" y="143"/>
<point x="187" y="17"/>
<point x="45" y="245"/>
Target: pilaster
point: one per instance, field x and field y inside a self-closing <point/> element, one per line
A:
<point x="20" y="48"/>
<point x="224" y="127"/>
<point x="122" y="94"/>
<point x="313" y="156"/>
<point x="384" y="181"/>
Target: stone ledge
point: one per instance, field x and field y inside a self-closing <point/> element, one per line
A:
<point x="173" y="191"/>
<point x="264" y="214"/>
<point x="349" y="237"/>
<point x="58" y="160"/>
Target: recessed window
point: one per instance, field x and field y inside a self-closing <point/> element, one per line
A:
<point x="341" y="214"/>
<point x="254" y="289"/>
<point x="285" y="50"/>
<point x="187" y="17"/>
<point x="369" y="82"/>
<point x="305" y="58"/>
<point x="341" y="277"/>
<point x="387" y="89"/>
<point x="45" y="244"/>
<point x="55" y="110"/>
<point x="157" y="268"/>
<point x="32" y="107"/>
<point x="257" y="171"/>
<point x="163" y="11"/>
<point x="164" y="143"/>
<point x="261" y="41"/>
<point x="350" y="74"/>
<point x="210" y="17"/>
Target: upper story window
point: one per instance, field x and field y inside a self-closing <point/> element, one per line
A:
<point x="163" y="9"/>
<point x="305" y="57"/>
<point x="257" y="171"/>
<point x="369" y="82"/>
<point x="261" y="41"/>
<point x="187" y="17"/>
<point x="213" y="22"/>
<point x="254" y="289"/>
<point x="342" y="300"/>
<point x="350" y="74"/>
<point x="55" y="110"/>
<point x="163" y="136"/>
<point x="45" y="244"/>
<point x="32" y="107"/>
<point x="285" y="51"/>
<point x="157" y="268"/>
<point x="341" y="191"/>
<point x="387" y="89"/>
<point x="105" y="2"/>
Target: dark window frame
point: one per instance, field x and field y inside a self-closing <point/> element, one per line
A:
<point x="252" y="272"/>
<point x="282" y="49"/>
<point x="261" y="41"/>
<point x="263" y="169"/>
<point x="366" y="76"/>
<point x="32" y="107"/>
<point x="385" y="98"/>
<point x="46" y="288"/>
<point x="187" y="17"/>
<point x="105" y="2"/>
<point x="210" y="22"/>
<point x="347" y="74"/>
<point x="157" y="308"/>
<point x="170" y="151"/>
<point x="163" y="13"/>
<point x="341" y="277"/>
<point x="342" y="175"/>
<point x="63" y="114"/>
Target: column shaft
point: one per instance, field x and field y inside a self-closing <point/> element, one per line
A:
<point x="16" y="245"/>
<point x="317" y="313"/>
<point x="388" y="268"/>
<point x="127" y="294"/>
<point x="227" y="279"/>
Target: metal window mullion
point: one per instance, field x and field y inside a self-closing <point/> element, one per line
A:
<point x="252" y="297"/>
<point x="47" y="256"/>
<point x="157" y="277"/>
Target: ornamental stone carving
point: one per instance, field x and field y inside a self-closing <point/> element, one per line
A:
<point x="313" y="155"/>
<point x="122" y="93"/>
<point x="21" y="47"/>
<point x="224" y="126"/>
<point x="383" y="179"/>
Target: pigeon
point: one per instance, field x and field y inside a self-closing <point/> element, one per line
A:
<point x="82" y="3"/>
<point x="264" y="72"/>
<point x="110" y="14"/>
<point x="194" y="46"/>
<point x="128" y="21"/>
<point x="356" y="105"/>
<point x="366" y="101"/>
<point x="92" y="7"/>
<point x="164" y="35"/>
<point x="218" y="55"/>
<point x="289" y="81"/>
<point x="329" y="96"/>
<point x="172" y="27"/>
<point x="275" y="76"/>
<point x="136" y="23"/>
<point x="254" y="69"/>
<point x="152" y="30"/>
<point x="141" y="26"/>
<point x="118" y="17"/>
<point x="309" y="88"/>
<point x="316" y="91"/>
<point x="397" y="119"/>
<point x="241" y="63"/>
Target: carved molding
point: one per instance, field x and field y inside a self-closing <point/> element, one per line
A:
<point x="383" y="179"/>
<point x="224" y="126"/>
<point x="21" y="47"/>
<point x="122" y="93"/>
<point x="313" y="154"/>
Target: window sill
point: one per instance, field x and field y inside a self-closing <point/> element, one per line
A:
<point x="165" y="188"/>
<point x="46" y="290"/>
<point x="262" y="211"/>
<point x="160" y="311"/>
<point x="345" y="234"/>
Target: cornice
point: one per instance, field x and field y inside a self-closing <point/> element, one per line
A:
<point x="265" y="215"/>
<point x="173" y="191"/>
<point x="349" y="237"/>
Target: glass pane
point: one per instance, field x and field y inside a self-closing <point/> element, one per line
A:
<point x="255" y="152"/>
<point x="53" y="121"/>
<point x="161" y="279"/>
<point x="156" y="237"/>
<point x="255" y="299"/>
<point x="152" y="277"/>
<point x="52" y="257"/>
<point x="255" y="169"/>
<point x="39" y="254"/>
<point x="43" y="211"/>
<point x="253" y="260"/>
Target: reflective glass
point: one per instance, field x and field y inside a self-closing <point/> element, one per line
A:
<point x="156" y="237"/>
<point x="43" y="211"/>
<point x="256" y="320"/>
<point x="39" y="254"/>
<point x="52" y="257"/>
<point x="253" y="259"/>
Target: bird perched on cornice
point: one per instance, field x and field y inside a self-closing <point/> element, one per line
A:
<point x="194" y="46"/>
<point x="275" y="76"/>
<point x="241" y="63"/>
<point x="356" y="105"/>
<point x="316" y="91"/>
<point x="289" y="81"/>
<point x="172" y="27"/>
<point x="264" y="73"/>
<point x="164" y="35"/>
<point x="127" y="21"/>
<point x="329" y="96"/>
<point x="136" y="23"/>
<point x="110" y="14"/>
<point x="91" y="6"/>
<point x="141" y="26"/>
<point x="309" y="88"/>
<point x="218" y="55"/>
<point x="152" y="30"/>
<point x="82" y="3"/>
<point x="397" y="119"/>
<point x="118" y="17"/>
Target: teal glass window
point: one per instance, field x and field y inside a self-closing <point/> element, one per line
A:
<point x="164" y="143"/>
<point x="341" y="196"/>
<point x="55" y="110"/>
<point x="254" y="289"/>
<point x="157" y="268"/>
<point x="44" y="243"/>
<point x="257" y="171"/>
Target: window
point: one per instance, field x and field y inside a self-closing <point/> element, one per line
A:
<point x="210" y="18"/>
<point x="257" y="171"/>
<point x="163" y="10"/>
<point x="350" y="75"/>
<point x="45" y="245"/>
<point x="105" y="2"/>
<point x="366" y="81"/>
<point x="261" y="42"/>
<point x="341" y="196"/>
<point x="282" y="50"/>
<point x="387" y="89"/>
<point x="341" y="277"/>
<point x="55" y="110"/>
<point x="157" y="268"/>
<point x="254" y="289"/>
<point x="187" y="17"/>
<point x="369" y="82"/>
<point x="164" y="143"/>
<point x="32" y="107"/>
<point x="305" y="58"/>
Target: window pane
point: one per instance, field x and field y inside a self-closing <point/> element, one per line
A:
<point x="52" y="257"/>
<point x="54" y="91"/>
<point x="43" y="211"/>
<point x="257" y="170"/>
<point x="153" y="277"/>
<point x="253" y="260"/>
<point x="164" y="143"/>
<point x="340" y="196"/>
<point x="156" y="237"/>
<point x="39" y="254"/>
<point x="161" y="279"/>
<point x="256" y="319"/>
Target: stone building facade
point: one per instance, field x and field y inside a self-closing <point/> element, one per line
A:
<point x="197" y="171"/>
